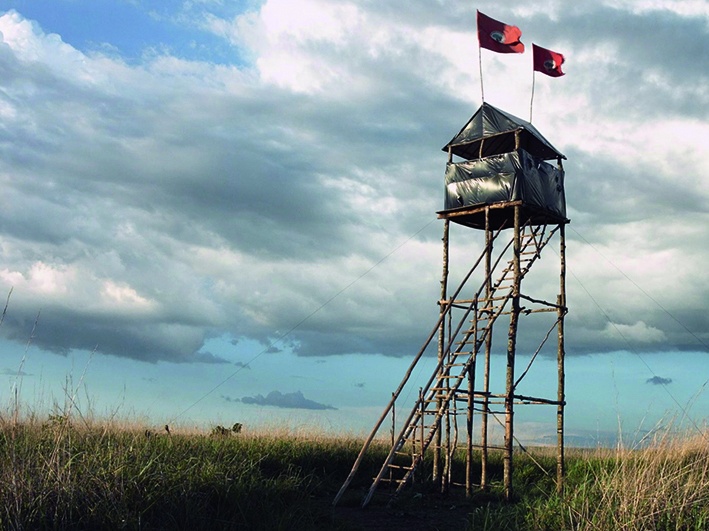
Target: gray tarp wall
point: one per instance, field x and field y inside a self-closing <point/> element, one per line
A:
<point x="511" y="176"/>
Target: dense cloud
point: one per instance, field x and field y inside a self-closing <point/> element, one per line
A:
<point x="152" y="204"/>
<point x="659" y="380"/>
<point x="294" y="400"/>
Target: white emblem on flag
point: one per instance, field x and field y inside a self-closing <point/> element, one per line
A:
<point x="498" y="36"/>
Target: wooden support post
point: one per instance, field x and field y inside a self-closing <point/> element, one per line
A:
<point x="441" y="349"/>
<point x="447" y="467"/>
<point x="488" y="350"/>
<point x="393" y="419"/>
<point x="453" y="446"/>
<point x="393" y="433"/>
<point x="511" y="347"/>
<point x="423" y="427"/>
<point x="469" y="430"/>
<point x="561" y="302"/>
<point x="445" y="371"/>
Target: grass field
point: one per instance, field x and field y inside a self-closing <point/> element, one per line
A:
<point x="61" y="473"/>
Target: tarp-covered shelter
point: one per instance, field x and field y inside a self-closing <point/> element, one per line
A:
<point x="504" y="164"/>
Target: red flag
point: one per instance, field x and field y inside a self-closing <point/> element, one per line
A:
<point x="498" y="36"/>
<point x="547" y="62"/>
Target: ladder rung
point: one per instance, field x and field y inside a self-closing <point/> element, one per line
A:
<point x="469" y="341"/>
<point x="489" y="309"/>
<point x="399" y="467"/>
<point x="387" y="480"/>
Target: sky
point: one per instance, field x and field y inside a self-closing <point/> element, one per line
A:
<point x="218" y="212"/>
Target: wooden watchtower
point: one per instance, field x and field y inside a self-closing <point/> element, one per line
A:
<point x="498" y="181"/>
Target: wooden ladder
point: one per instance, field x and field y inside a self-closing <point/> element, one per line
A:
<point x="419" y="429"/>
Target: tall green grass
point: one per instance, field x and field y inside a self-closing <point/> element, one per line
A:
<point x="662" y="486"/>
<point x="61" y="472"/>
<point x="59" y="475"/>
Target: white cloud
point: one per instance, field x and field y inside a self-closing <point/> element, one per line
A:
<point x="42" y="279"/>
<point x="687" y="8"/>
<point x="31" y="45"/>
<point x="191" y="199"/>
<point x="288" y="39"/>
<point x="638" y="332"/>
<point x="123" y="296"/>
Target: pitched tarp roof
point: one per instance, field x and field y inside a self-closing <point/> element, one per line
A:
<point x="491" y="131"/>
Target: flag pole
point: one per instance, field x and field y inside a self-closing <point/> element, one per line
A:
<point x="480" y="63"/>
<point x="480" y="56"/>
<point x="531" y="102"/>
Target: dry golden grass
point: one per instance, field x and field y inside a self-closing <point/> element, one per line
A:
<point x="664" y="485"/>
<point x="80" y="472"/>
